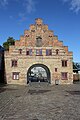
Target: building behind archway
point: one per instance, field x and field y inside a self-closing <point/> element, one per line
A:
<point x="38" y="73"/>
<point x="39" y="45"/>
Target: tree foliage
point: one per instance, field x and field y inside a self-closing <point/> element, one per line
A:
<point x="10" y="41"/>
<point x="76" y="65"/>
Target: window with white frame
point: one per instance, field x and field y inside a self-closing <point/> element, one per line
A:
<point x="15" y="75"/>
<point x="39" y="52"/>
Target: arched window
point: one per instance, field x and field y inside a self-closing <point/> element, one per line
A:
<point x="57" y="51"/>
<point x="20" y="51"/>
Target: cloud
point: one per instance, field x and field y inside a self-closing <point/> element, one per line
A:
<point x="29" y="5"/>
<point x="22" y="17"/>
<point x="74" y="5"/>
<point x="3" y="3"/>
<point x="65" y="0"/>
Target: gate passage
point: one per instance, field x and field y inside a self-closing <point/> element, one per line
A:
<point x="38" y="73"/>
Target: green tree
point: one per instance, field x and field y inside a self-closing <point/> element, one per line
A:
<point x="10" y="41"/>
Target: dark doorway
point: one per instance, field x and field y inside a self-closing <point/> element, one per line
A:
<point x="38" y="73"/>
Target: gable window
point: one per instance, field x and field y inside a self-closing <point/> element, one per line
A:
<point x="32" y="30"/>
<point x="20" y="51"/>
<point x="57" y="51"/>
<point x="27" y="35"/>
<point x="15" y="75"/>
<point x="39" y="42"/>
<point x="29" y="52"/>
<point x="48" y="52"/>
<point x="14" y="63"/>
<point x="64" y="63"/>
<point x="64" y="75"/>
<point x="39" y="52"/>
<point x="50" y="35"/>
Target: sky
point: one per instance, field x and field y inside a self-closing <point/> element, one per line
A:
<point x="61" y="16"/>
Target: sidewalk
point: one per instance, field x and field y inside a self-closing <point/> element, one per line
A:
<point x="40" y="102"/>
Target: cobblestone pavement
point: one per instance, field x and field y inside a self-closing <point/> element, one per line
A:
<point x="40" y="102"/>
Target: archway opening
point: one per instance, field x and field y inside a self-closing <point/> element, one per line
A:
<point x="38" y="73"/>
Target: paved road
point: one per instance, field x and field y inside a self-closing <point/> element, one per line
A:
<point x="40" y="102"/>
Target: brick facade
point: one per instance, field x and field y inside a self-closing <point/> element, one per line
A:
<point x="39" y="37"/>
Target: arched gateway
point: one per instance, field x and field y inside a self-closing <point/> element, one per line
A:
<point x="38" y="73"/>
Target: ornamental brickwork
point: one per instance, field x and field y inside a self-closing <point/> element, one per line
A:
<point x="39" y="46"/>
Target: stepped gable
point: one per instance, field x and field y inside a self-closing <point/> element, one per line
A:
<point x="41" y="31"/>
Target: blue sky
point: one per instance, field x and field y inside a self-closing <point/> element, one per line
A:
<point x="62" y="16"/>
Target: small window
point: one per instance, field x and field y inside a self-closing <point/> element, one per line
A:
<point x="27" y="35"/>
<point x="39" y="52"/>
<point x="55" y="69"/>
<point x="57" y="51"/>
<point x="38" y="24"/>
<point x="64" y="75"/>
<point x="29" y="52"/>
<point x="15" y="75"/>
<point x="32" y="30"/>
<point x="50" y="35"/>
<point x="64" y="63"/>
<point x="20" y="51"/>
<point x="48" y="52"/>
<point x="14" y="63"/>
